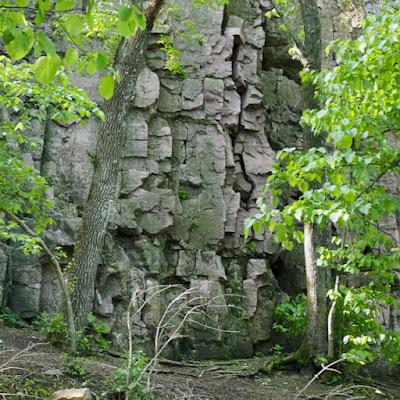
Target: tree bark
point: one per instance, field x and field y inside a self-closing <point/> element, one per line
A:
<point x="316" y="337"/>
<point x="105" y="176"/>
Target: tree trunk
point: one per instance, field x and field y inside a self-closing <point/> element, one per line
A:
<point x="105" y="176"/>
<point x="316" y="340"/>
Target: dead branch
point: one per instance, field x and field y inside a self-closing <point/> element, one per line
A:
<point x="316" y="376"/>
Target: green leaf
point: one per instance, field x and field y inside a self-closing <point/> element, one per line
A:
<point x="139" y="18"/>
<point x="43" y="5"/>
<point x="22" y="3"/>
<point x="71" y="57"/>
<point x="346" y="141"/>
<point x="106" y="86"/>
<point x="45" y="43"/>
<point x="64" y="5"/>
<point x="101" y="61"/>
<point x="91" y="66"/>
<point x="124" y="13"/>
<point x="20" y="45"/>
<point x="74" y="25"/>
<point x="46" y="68"/>
<point x="124" y="28"/>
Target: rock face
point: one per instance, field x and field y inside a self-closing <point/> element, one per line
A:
<point x="196" y="156"/>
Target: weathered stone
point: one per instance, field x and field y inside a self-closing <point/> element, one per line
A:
<point x="252" y="97"/>
<point x="256" y="268"/>
<point x="136" y="137"/>
<point x="132" y="179"/>
<point x="155" y="222"/>
<point x="210" y="265"/>
<point x="186" y="264"/>
<point x="258" y="156"/>
<point x="289" y="94"/>
<point x="26" y="281"/>
<point x="72" y="394"/>
<point x="255" y="36"/>
<point x="160" y="147"/>
<point x="161" y="218"/>
<point x="231" y="109"/>
<point x="152" y="312"/>
<point x="232" y="200"/>
<point x="169" y="102"/>
<point x="147" y="88"/>
<point x="192" y="94"/>
<point x="50" y="294"/>
<point x="213" y="96"/>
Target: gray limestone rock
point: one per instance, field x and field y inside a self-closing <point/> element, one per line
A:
<point x="210" y="265"/>
<point x="132" y="179"/>
<point x="147" y="88"/>
<point x="213" y="96"/>
<point x="192" y="94"/>
<point x="24" y="296"/>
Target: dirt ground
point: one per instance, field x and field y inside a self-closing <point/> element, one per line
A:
<point x="30" y="368"/>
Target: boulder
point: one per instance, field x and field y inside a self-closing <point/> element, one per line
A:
<point x="72" y="394"/>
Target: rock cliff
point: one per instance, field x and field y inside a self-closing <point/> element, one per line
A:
<point x="197" y="154"/>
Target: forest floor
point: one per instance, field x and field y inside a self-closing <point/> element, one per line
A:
<point x="30" y="368"/>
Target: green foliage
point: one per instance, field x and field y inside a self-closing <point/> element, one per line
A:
<point x="127" y="381"/>
<point x="24" y="32"/>
<point x="35" y="388"/>
<point x="173" y="63"/>
<point x="9" y="318"/>
<point x="341" y="185"/>
<point x="183" y="194"/>
<point x="56" y="330"/>
<point x="54" y="327"/>
<point x="94" y="335"/>
<point x="212" y="4"/>
<point x="74" y="366"/>
<point x="290" y="317"/>
<point x="24" y="101"/>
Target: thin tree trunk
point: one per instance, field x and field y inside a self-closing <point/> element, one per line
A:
<point x="315" y="341"/>
<point x="331" y="320"/>
<point x="104" y="181"/>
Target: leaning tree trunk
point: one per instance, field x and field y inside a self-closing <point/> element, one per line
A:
<point x="105" y="176"/>
<point x="315" y="342"/>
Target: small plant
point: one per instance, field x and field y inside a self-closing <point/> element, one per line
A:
<point x="129" y="381"/>
<point x="56" y="329"/>
<point x="93" y="335"/>
<point x="195" y="223"/>
<point x="9" y="318"/>
<point x="183" y="194"/>
<point x="290" y="317"/>
<point x="251" y="246"/>
<point x="35" y="388"/>
<point x="173" y="63"/>
<point x="276" y="350"/>
<point x="74" y="366"/>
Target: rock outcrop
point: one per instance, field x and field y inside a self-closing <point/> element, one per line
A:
<point x="196" y="156"/>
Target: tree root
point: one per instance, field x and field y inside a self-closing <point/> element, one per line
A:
<point x="230" y="369"/>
